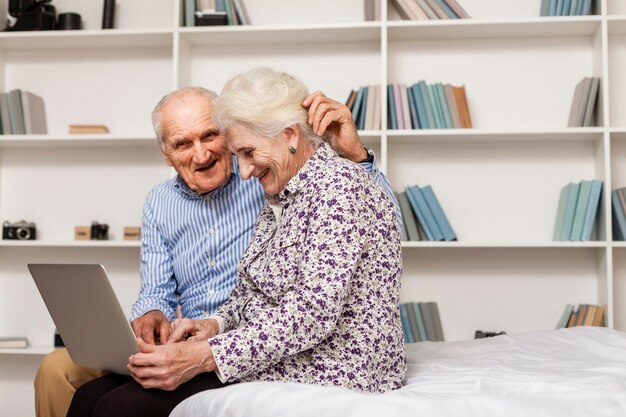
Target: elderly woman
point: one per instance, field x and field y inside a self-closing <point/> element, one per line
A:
<point x="316" y="299"/>
<point x="317" y="294"/>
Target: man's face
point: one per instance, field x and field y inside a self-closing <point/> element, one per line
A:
<point x="193" y="144"/>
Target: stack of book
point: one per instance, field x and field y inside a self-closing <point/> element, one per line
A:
<point x="215" y="13"/>
<point x="618" y="203"/>
<point x="565" y="7"/>
<point x="13" y="342"/>
<point x="22" y="113"/>
<point x="583" y="315"/>
<point x="422" y="215"/>
<point x="584" y="103"/>
<point x="577" y="210"/>
<point x="364" y="104"/>
<point x="429" y="9"/>
<point x="427" y="106"/>
<point x="421" y="322"/>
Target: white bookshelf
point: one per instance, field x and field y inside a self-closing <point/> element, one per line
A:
<point x="498" y="183"/>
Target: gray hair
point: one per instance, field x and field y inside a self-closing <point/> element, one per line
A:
<point x="179" y="94"/>
<point x="265" y="101"/>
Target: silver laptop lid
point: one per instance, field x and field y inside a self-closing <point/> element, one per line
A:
<point x="87" y="314"/>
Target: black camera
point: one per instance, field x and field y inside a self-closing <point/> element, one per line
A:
<point x="99" y="231"/>
<point x="21" y="230"/>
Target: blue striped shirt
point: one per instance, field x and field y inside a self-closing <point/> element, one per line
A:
<point x="191" y="244"/>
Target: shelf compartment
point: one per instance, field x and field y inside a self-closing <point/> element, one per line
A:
<point x="589" y="134"/>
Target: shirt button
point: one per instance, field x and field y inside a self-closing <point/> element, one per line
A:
<point x="213" y="263"/>
<point x="211" y="292"/>
<point x="211" y="231"/>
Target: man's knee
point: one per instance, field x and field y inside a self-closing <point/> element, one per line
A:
<point x="58" y="368"/>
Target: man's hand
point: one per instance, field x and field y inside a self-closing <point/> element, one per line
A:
<point x="332" y="120"/>
<point x="168" y="366"/>
<point x="153" y="327"/>
<point x="193" y="330"/>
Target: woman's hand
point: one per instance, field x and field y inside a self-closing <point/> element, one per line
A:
<point x="332" y="120"/>
<point x="193" y="330"/>
<point x="168" y="366"/>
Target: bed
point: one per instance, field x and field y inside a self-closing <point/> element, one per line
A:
<point x="579" y="371"/>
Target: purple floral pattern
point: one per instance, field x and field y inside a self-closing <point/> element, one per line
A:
<point x="317" y="293"/>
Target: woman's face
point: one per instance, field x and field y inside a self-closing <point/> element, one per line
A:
<point x="268" y="159"/>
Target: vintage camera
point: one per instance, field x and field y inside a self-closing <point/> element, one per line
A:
<point x="99" y="231"/>
<point x="21" y="230"/>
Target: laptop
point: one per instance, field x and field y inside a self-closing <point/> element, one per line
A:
<point x="87" y="314"/>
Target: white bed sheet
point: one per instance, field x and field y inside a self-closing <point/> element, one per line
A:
<point x="573" y="372"/>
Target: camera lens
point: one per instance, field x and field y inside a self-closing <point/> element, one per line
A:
<point x="23" y="233"/>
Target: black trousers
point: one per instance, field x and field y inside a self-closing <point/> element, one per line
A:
<point x="115" y="395"/>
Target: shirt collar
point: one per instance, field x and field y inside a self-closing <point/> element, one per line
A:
<point x="181" y="185"/>
<point x="304" y="175"/>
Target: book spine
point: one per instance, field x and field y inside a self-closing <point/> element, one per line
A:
<point x="438" y="213"/>
<point x="592" y="209"/>
<point x="108" y="14"/>
<point x="420" y="207"/>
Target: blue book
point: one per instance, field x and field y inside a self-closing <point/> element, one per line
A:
<point x="391" y="107"/>
<point x="560" y="212"/>
<point x="570" y="209"/>
<point x="406" y="325"/>
<point x="566" y="7"/>
<point x="420" y="322"/>
<point x="581" y="210"/>
<point x="552" y="7"/>
<point x="428" y="104"/>
<point x="357" y="106"/>
<point x="421" y="108"/>
<point x="573" y="7"/>
<point x="423" y="213"/>
<point x="448" y="10"/>
<point x="432" y="97"/>
<point x="361" y="123"/>
<point x="545" y="8"/>
<point x="592" y="209"/>
<point x="619" y="219"/>
<point x="559" y="8"/>
<point x="413" y="108"/>
<point x="438" y="214"/>
<point x="445" y="109"/>
<point x="586" y="9"/>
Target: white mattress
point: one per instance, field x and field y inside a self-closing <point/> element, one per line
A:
<point x="568" y="372"/>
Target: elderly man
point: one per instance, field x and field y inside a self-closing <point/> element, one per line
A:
<point x="195" y="226"/>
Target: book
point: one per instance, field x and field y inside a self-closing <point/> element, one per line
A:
<point x="34" y="112"/>
<point x="454" y="112"/>
<point x="429" y="322"/>
<point x="581" y="210"/>
<point x="566" y="6"/>
<point x="413" y="108"/>
<point x="415" y="11"/>
<point x="586" y="7"/>
<point x="361" y="121"/>
<point x="420" y="107"/>
<point x="436" y="7"/>
<point x="582" y="311"/>
<point x="406" y="110"/>
<point x="413" y="322"/>
<point x="590" y="315"/>
<point x="242" y="13"/>
<point x="573" y="317"/>
<point x="392" y="121"/>
<point x="445" y="109"/>
<point x="447" y="9"/>
<point x="81" y="129"/>
<point x="408" y="216"/>
<point x="458" y="10"/>
<point x="426" y="9"/>
<point x="350" y="99"/>
<point x="17" y="112"/>
<point x="406" y="326"/>
<point x="460" y="99"/>
<point x="575" y="116"/>
<point x="545" y="8"/>
<point x="420" y="322"/>
<point x="560" y="212"/>
<point x="565" y="316"/>
<point x="434" y="311"/>
<point x="430" y="116"/>
<point x="438" y="214"/>
<point x="403" y="9"/>
<point x="13" y="342"/>
<point x="190" y="12"/>
<point x="619" y="220"/>
<point x="573" y="7"/>
<point x="4" y="114"/>
<point x="397" y="98"/>
<point x="590" y="103"/>
<point x="368" y="123"/>
<point x="592" y="209"/>
<point x="570" y="210"/>
<point x="356" y="110"/>
<point x="377" y="99"/>
<point x="598" y="319"/>
<point x="423" y="213"/>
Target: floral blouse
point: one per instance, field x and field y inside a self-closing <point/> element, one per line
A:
<point x="317" y="292"/>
